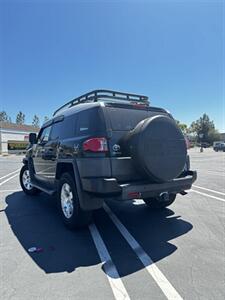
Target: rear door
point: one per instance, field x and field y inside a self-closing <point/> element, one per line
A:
<point x="120" y="121"/>
<point x="123" y="119"/>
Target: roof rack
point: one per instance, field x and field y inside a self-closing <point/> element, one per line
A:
<point x="98" y="95"/>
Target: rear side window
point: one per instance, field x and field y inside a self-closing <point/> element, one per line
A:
<point x="64" y="129"/>
<point x="90" y="121"/>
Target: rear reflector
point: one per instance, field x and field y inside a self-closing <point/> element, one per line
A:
<point x="96" y="145"/>
<point x="134" y="195"/>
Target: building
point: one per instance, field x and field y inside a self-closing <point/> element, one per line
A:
<point x="14" y="138"/>
<point x="222" y="136"/>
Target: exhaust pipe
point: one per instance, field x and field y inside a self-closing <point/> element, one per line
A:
<point x="183" y="193"/>
<point x="164" y="197"/>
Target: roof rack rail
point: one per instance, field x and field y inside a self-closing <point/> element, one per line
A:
<point x="97" y="95"/>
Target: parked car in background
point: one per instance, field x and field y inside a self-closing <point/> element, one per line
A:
<point x="219" y="146"/>
<point x="205" y="145"/>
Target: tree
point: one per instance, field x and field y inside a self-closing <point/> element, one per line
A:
<point x="204" y="129"/>
<point x="36" y="121"/>
<point x="214" y="135"/>
<point x="46" y="119"/>
<point x="183" y="127"/>
<point x="20" y="118"/>
<point x="4" y="117"/>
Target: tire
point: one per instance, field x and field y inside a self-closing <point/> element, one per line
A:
<point x="25" y="182"/>
<point x="155" y="203"/>
<point x="68" y="203"/>
<point x="158" y="148"/>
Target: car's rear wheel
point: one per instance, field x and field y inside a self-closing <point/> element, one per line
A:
<point x="160" y="202"/>
<point x="25" y="182"/>
<point x="68" y="202"/>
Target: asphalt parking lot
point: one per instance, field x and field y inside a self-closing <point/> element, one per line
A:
<point x="129" y="252"/>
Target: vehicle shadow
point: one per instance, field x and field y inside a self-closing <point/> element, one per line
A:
<point x="153" y="230"/>
<point x="35" y="222"/>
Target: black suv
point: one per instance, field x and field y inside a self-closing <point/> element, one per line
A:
<point x="219" y="146"/>
<point x="107" y="144"/>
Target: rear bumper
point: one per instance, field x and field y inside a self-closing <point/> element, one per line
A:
<point x="108" y="187"/>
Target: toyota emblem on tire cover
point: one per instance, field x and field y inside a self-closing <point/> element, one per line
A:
<point x="116" y="147"/>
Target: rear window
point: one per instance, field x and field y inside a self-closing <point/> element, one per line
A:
<point x="125" y="119"/>
<point x="90" y="121"/>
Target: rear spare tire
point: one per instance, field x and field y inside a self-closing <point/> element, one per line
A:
<point x="158" y="148"/>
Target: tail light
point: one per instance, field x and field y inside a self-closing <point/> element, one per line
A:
<point x="96" y="145"/>
<point x="134" y="195"/>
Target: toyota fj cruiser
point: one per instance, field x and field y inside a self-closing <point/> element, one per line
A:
<point x="107" y="144"/>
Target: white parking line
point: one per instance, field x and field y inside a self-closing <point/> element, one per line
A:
<point x="213" y="173"/>
<point x="115" y="281"/>
<point x="9" y="174"/>
<point x="7" y="191"/>
<point x="1" y="183"/>
<point x="202" y="188"/>
<point x="207" y="195"/>
<point x="166" y="287"/>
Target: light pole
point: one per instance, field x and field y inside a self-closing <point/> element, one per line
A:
<point x="201" y="136"/>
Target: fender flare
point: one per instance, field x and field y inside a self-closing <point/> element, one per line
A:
<point x="87" y="202"/>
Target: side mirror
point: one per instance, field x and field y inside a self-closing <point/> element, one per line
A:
<point x="32" y="138"/>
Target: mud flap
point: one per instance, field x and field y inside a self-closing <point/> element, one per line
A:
<point x="87" y="202"/>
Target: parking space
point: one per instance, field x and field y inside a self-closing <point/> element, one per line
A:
<point x="129" y="251"/>
<point x="9" y="166"/>
<point x="210" y="166"/>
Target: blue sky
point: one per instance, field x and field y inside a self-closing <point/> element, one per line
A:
<point x="52" y="51"/>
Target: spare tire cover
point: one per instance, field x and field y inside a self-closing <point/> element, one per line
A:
<point x="158" y="149"/>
